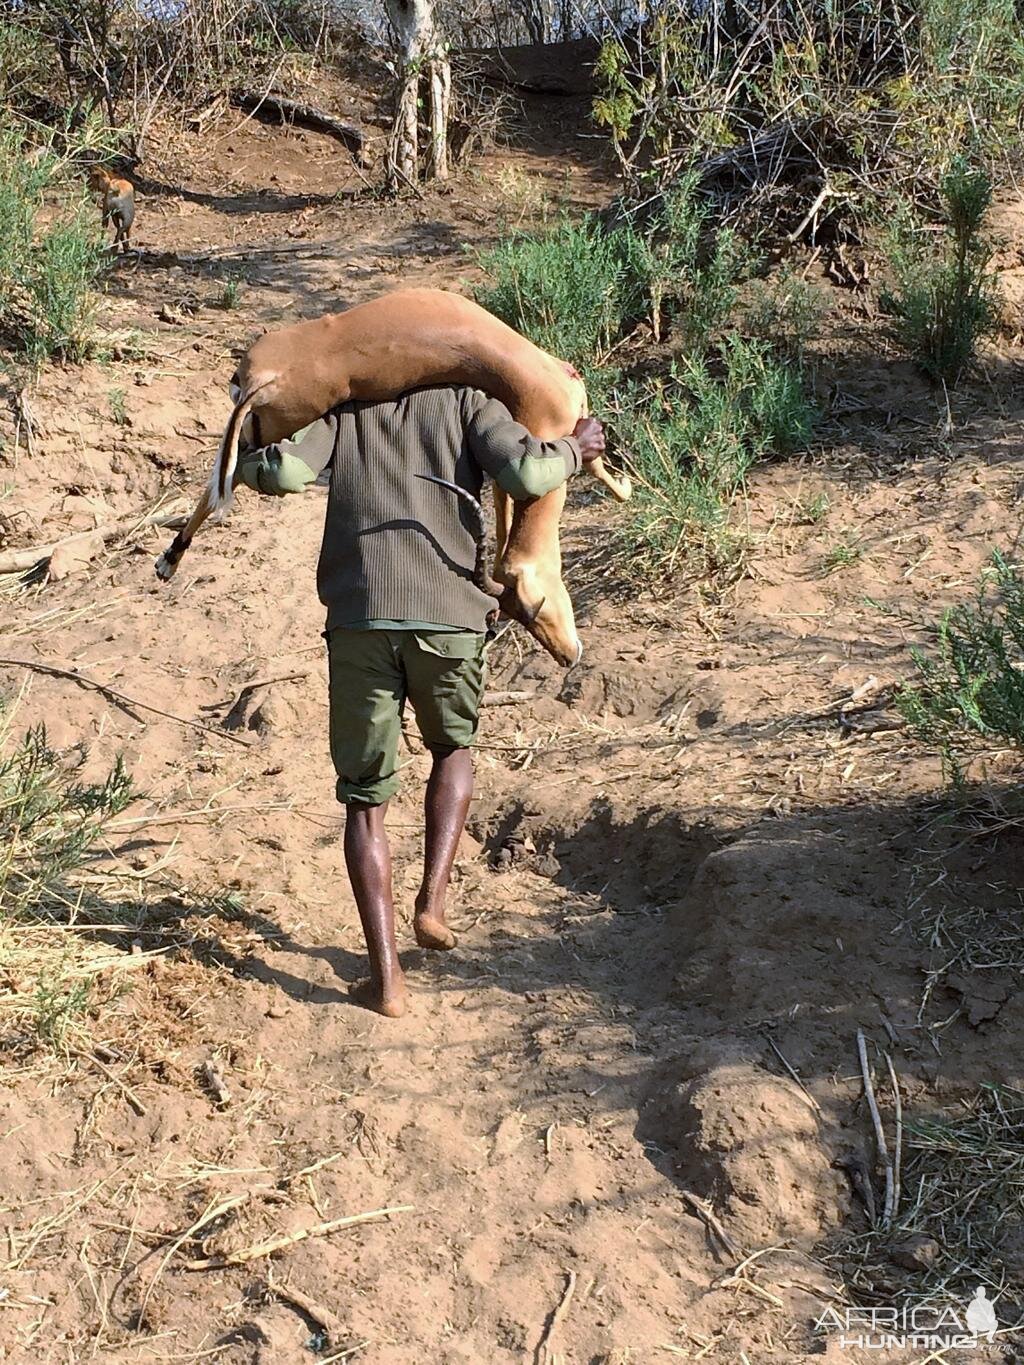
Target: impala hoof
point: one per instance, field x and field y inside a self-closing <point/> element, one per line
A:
<point x="165" y="568"/>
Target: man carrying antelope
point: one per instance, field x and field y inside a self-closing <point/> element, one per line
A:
<point x="400" y="575"/>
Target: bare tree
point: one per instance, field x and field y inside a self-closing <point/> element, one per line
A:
<point x="422" y="55"/>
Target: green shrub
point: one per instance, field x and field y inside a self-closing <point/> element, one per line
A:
<point x="969" y="691"/>
<point x="676" y="265"/>
<point x="787" y="312"/>
<point x="563" y="288"/>
<point x="46" y="276"/>
<point x="692" y="443"/>
<point x="942" y="296"/>
<point x="49" y="825"/>
<point x="776" y="105"/>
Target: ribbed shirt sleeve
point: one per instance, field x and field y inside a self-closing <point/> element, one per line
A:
<point x="289" y="466"/>
<point x="517" y="461"/>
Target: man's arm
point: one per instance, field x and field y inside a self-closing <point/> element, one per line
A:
<point x="518" y="462"/>
<point x="289" y="466"/>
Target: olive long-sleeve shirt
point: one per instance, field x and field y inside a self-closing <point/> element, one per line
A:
<point x="397" y="548"/>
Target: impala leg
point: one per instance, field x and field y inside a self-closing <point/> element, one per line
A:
<point x="619" y="485"/>
<point x="171" y="557"/>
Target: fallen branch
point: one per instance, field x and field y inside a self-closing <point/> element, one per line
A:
<point x="712" y="1223"/>
<point x="20" y="561"/>
<point x="252" y="687"/>
<point x="544" y="1355"/>
<point x="260" y="1249"/>
<point x="897" y="1160"/>
<point x="876" y="1118"/>
<point x="322" y="1316"/>
<point x="505" y="698"/>
<point x="278" y="109"/>
<point x="126" y="1090"/>
<point x="778" y="1052"/>
<point x="121" y="698"/>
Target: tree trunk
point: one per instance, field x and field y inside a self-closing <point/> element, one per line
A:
<point x="421" y="52"/>
<point x="403" y="145"/>
<point x="440" y="73"/>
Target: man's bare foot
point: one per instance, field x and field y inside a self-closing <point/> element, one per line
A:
<point x="432" y="932"/>
<point x="392" y="1002"/>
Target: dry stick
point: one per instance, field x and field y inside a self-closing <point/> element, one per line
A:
<point x="505" y="698"/>
<point x="212" y="1211"/>
<point x="544" y="1355"/>
<point x="711" y="1222"/>
<point x="798" y="231"/>
<point x="322" y="1316"/>
<point x="775" y="1048"/>
<point x="254" y="1253"/>
<point x="898" y="1147"/>
<point x="125" y="1090"/>
<point x="876" y="1118"/>
<point x="122" y="697"/>
<point x="252" y="687"/>
<point x="20" y="561"/>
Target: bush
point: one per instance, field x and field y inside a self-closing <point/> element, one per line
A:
<point x="778" y="106"/>
<point x="970" y="690"/>
<point x="565" y="288"/>
<point x="942" y="297"/>
<point x="692" y="443"/>
<point x="49" y="824"/>
<point x="677" y="265"/>
<point x="577" y="288"/>
<point x="46" y="277"/>
<point x="787" y="313"/>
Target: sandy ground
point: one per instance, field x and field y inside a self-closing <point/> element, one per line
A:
<point x="686" y="862"/>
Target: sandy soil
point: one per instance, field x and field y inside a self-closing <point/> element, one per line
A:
<point x="685" y="860"/>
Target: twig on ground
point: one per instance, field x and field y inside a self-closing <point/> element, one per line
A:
<point x="775" y="1048"/>
<point x="711" y="1222"/>
<point x="876" y="1118"/>
<point x="505" y="698"/>
<point x="211" y="1212"/>
<point x="322" y="1316"/>
<point x="260" y="1249"/>
<point x="252" y="687"/>
<point x="897" y="1160"/>
<point x="544" y="1355"/>
<point x="125" y="1090"/>
<point x="121" y="698"/>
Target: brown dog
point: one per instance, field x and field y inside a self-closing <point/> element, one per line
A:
<point x="405" y="340"/>
<point x="117" y="203"/>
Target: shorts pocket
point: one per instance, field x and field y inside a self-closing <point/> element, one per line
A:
<point x="454" y="645"/>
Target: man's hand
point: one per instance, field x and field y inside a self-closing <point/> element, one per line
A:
<point x="589" y="435"/>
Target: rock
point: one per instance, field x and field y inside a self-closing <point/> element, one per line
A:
<point x="916" y="1253"/>
<point x="72" y="556"/>
<point x="74" y="505"/>
<point x="272" y="716"/>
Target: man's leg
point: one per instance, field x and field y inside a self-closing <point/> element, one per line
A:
<point x="366" y="697"/>
<point x="368" y="859"/>
<point x="449" y="792"/>
<point x="445" y="678"/>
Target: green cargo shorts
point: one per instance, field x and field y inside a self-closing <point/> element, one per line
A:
<point x="372" y="672"/>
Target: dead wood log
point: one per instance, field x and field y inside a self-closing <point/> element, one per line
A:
<point x="277" y="109"/>
<point x="21" y="561"/>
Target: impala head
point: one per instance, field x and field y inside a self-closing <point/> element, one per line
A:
<point x="537" y="597"/>
<point x="532" y="595"/>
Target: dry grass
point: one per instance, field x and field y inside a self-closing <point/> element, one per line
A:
<point x="963" y="1183"/>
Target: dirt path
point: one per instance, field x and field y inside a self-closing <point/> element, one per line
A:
<point x="680" y="857"/>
